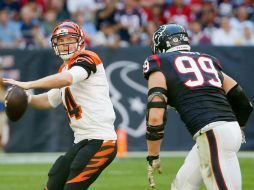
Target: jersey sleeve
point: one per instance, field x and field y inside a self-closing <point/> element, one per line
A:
<point x="86" y="62"/>
<point x="78" y="74"/>
<point x="54" y="97"/>
<point x="217" y="63"/>
<point x="151" y="64"/>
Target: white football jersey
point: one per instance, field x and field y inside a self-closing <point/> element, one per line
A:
<point x="87" y="102"/>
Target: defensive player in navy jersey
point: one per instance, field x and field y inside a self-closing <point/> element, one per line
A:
<point x="212" y="105"/>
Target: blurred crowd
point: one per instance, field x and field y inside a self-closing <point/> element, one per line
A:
<point x="121" y="23"/>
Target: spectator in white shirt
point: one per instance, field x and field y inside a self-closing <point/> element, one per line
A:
<point x="87" y="6"/>
<point x="239" y="22"/>
<point x="225" y="35"/>
<point x="247" y="36"/>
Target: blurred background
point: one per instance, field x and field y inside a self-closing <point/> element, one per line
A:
<point x="27" y="24"/>
<point x="120" y="31"/>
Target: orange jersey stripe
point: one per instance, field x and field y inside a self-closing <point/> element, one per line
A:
<point x="61" y="68"/>
<point x="99" y="162"/>
<point x="87" y="55"/>
<point x="83" y="54"/>
<point x="94" y="56"/>
<point x="104" y="152"/>
<point x="82" y="176"/>
<point x="95" y="163"/>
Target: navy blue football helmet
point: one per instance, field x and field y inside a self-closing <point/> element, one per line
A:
<point x="170" y="37"/>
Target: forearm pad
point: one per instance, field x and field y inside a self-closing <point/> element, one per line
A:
<point x="240" y="104"/>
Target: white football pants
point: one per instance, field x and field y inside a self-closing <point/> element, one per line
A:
<point x="212" y="160"/>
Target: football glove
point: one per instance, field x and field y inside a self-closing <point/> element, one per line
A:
<point x="152" y="166"/>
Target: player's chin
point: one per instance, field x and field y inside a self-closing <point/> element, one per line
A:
<point x="64" y="52"/>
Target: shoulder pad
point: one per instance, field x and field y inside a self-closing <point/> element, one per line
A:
<point x="86" y="55"/>
<point x="151" y="64"/>
<point x="215" y="60"/>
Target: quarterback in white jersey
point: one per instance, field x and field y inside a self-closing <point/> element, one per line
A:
<point x="82" y="87"/>
<point x="87" y="99"/>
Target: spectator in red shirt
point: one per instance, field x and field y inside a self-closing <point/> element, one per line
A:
<point x="155" y="14"/>
<point x="40" y="4"/>
<point x="178" y="13"/>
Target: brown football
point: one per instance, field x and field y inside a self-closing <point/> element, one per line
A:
<point x="15" y="103"/>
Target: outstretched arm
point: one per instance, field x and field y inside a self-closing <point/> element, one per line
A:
<point x="40" y="101"/>
<point x="58" y="80"/>
<point x="48" y="100"/>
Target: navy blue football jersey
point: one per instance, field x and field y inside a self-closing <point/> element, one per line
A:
<point x="194" y="82"/>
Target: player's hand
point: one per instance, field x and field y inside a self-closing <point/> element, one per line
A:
<point x="24" y="85"/>
<point x="152" y="166"/>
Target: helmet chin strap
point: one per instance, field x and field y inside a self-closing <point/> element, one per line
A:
<point x="66" y="57"/>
